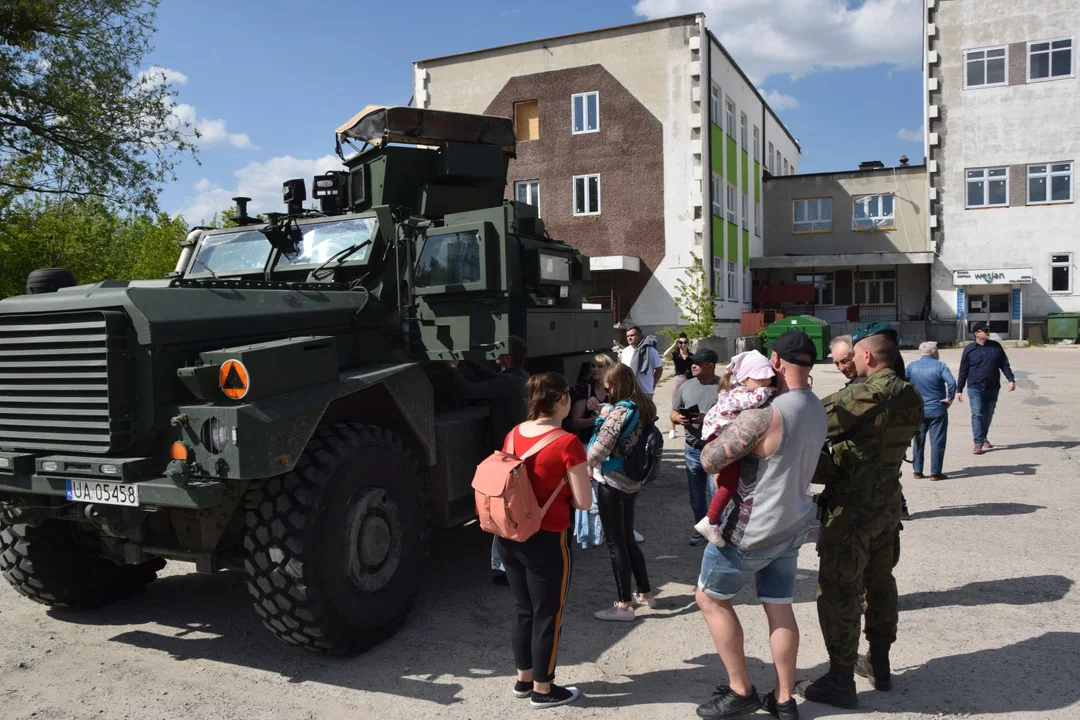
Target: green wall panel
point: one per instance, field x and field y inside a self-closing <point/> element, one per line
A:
<point x="716" y="148"/>
<point x="718" y="225"/>
<point x="757" y="182"/>
<point x="732" y="174"/>
<point x="745" y="186"/>
<point x="733" y="242"/>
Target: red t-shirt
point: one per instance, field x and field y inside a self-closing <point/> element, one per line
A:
<point x="546" y="470"/>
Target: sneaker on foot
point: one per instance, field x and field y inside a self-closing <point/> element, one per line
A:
<point x="696" y="539"/>
<point x="917" y="476"/>
<point x="830" y="689"/>
<point x="615" y="614"/>
<point x="523" y="689"/>
<point x="939" y="477"/>
<point x="978" y="450"/>
<point x="671" y="434"/>
<point x="638" y="537"/>
<point x="784" y="710"/>
<point x="987" y="445"/>
<point x="557" y="696"/>
<point x="640" y="600"/>
<point x="726" y="703"/>
<point x="710" y="532"/>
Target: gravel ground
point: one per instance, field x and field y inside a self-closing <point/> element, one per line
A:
<point x="989" y="622"/>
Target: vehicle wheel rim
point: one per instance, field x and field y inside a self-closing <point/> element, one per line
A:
<point x="371" y="540"/>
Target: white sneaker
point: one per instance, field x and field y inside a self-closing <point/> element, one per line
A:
<point x="710" y="532"/>
<point x="638" y="600"/>
<point x="671" y="433"/>
<point x="638" y="537"/>
<point x="615" y="614"/>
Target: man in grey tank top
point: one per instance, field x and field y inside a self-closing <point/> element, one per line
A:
<point x="767" y="520"/>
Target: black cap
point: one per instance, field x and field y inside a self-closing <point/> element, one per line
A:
<point x="794" y="346"/>
<point x="704" y="356"/>
<point x="980" y="326"/>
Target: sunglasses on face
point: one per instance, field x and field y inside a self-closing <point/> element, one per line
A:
<point x="680" y="342"/>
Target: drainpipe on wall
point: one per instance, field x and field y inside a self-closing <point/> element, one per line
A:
<point x="706" y="161"/>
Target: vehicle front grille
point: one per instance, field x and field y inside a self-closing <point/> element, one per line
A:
<point x="63" y="382"/>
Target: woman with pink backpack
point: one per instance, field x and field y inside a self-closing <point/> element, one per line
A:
<point x="538" y="559"/>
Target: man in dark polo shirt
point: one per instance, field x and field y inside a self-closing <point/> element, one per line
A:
<point x="698" y="392"/>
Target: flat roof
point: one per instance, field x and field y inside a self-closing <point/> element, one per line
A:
<point x="869" y="171"/>
<point x="568" y="36"/>
<point x="628" y="26"/>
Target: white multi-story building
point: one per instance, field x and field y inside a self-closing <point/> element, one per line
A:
<point x="1003" y="144"/>
<point x="642" y="145"/>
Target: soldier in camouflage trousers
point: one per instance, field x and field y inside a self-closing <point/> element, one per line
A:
<point x="870" y="428"/>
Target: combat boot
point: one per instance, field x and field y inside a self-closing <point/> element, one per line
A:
<point x="875" y="666"/>
<point x="836" y="688"/>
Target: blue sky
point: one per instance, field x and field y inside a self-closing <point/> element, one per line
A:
<point x="267" y="81"/>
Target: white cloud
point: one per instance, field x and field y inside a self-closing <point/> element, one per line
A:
<point x="778" y="100"/>
<point x="800" y="37"/>
<point x="260" y="181"/>
<point x="212" y="131"/>
<point x="915" y="136"/>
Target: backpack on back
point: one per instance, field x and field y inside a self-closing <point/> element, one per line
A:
<point x="642" y="462"/>
<point x="506" y="503"/>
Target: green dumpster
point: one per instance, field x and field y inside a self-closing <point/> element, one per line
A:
<point x="1063" y="326"/>
<point x="818" y="330"/>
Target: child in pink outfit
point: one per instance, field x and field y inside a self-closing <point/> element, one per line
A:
<point x="755" y="388"/>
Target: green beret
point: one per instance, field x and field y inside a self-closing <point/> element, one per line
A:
<point x="872" y="328"/>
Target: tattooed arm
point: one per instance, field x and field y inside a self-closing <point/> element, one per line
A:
<point x="737" y="440"/>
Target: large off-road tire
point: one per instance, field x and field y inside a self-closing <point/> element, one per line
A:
<point x="336" y="547"/>
<point x="49" y="565"/>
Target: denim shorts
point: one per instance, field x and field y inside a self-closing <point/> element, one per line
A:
<point x="724" y="571"/>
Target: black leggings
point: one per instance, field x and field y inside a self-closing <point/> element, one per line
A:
<point x="617" y="517"/>
<point x="538" y="571"/>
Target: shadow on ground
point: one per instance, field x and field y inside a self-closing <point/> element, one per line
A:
<point x="1011" y="591"/>
<point x="978" y="509"/>
<point x="1017" y="470"/>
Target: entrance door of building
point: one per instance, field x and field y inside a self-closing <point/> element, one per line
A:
<point x="993" y="309"/>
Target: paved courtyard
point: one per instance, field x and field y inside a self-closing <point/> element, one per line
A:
<point x="989" y="622"/>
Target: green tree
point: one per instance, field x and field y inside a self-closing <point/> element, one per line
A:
<point x="76" y="116"/>
<point x="697" y="303"/>
<point x="87" y="236"/>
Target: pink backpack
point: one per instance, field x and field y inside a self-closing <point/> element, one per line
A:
<point x="506" y="503"/>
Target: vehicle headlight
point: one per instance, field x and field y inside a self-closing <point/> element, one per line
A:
<point x="215" y="436"/>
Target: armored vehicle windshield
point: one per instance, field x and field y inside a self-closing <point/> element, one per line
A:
<point x="245" y="251"/>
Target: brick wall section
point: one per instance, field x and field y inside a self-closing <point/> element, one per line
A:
<point x="627" y="152"/>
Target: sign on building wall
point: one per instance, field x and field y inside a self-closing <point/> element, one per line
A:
<point x="960" y="309"/>
<point x="1001" y="276"/>
<point x="1017" y="303"/>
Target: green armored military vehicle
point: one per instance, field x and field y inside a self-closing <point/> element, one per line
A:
<point x="279" y="405"/>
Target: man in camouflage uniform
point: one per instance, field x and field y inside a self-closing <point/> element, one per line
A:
<point x="870" y="428"/>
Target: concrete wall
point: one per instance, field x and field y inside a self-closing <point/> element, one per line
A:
<point x="907" y="184"/>
<point x="654" y="63"/>
<point x="1012" y="125"/>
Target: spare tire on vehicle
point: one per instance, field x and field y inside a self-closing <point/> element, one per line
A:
<point x="47" y="280"/>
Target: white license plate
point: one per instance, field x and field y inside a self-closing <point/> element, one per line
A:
<point x="107" y="493"/>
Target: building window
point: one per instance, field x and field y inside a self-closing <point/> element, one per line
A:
<point x="742" y="132"/>
<point x="776" y="168"/>
<point x="873" y="212"/>
<point x="785" y="167"/>
<point x="745" y="211"/>
<point x="587" y="194"/>
<point x="732" y="282"/>
<point x="586" y="107"/>
<point x="731" y="203"/>
<point x="823" y="286"/>
<point x="987" y="187"/>
<point x="1050" y="183"/>
<point x="718" y="277"/>
<point x="876" y="287"/>
<point x="1050" y="60"/>
<point x="811" y="215"/>
<point x="716" y="110"/>
<point x="757" y="144"/>
<point x="757" y="218"/>
<point x="768" y="158"/>
<point x="986" y="67"/>
<point x="747" y="284"/>
<point x="527" y="121"/>
<point x="717" y="196"/>
<point x="730" y="117"/>
<point x="1061" y="273"/>
<point x="528" y="192"/>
